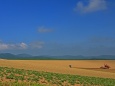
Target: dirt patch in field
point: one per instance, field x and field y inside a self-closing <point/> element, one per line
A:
<point x="98" y="69"/>
<point x="81" y="67"/>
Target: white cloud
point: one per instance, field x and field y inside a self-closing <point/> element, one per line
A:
<point x="37" y="45"/>
<point x="44" y="30"/>
<point x="23" y="45"/>
<point x="6" y="46"/>
<point x="3" y="46"/>
<point x="93" y="5"/>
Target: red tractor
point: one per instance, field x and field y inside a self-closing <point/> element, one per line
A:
<point x="105" y="66"/>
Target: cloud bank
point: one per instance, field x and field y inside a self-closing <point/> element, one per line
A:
<point x="93" y="5"/>
<point x="20" y="46"/>
<point x="37" y="45"/>
<point x="6" y="46"/>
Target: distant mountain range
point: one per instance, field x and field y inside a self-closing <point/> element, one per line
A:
<point x="65" y="57"/>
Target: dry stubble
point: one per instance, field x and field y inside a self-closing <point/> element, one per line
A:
<point x="79" y="67"/>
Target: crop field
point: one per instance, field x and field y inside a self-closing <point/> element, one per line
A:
<point x="21" y="77"/>
<point x="56" y="73"/>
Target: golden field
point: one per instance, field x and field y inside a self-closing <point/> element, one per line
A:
<point x="79" y="67"/>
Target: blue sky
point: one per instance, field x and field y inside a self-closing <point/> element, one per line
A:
<point x="57" y="27"/>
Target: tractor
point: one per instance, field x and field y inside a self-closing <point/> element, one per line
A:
<point x="105" y="66"/>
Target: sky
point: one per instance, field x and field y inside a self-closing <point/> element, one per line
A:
<point x="57" y="27"/>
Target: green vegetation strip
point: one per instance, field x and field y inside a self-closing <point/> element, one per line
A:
<point x="21" y="77"/>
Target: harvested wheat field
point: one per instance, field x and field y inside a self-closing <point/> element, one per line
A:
<point x="79" y="67"/>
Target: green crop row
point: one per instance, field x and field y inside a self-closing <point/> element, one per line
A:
<point x="19" y="84"/>
<point x="21" y="77"/>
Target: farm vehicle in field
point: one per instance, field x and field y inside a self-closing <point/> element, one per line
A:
<point x="105" y="66"/>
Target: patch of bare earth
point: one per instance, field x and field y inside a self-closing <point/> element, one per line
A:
<point x="79" y="67"/>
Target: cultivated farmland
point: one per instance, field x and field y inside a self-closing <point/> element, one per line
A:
<point x="59" y="69"/>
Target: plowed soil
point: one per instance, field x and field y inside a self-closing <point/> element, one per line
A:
<point x="79" y="67"/>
